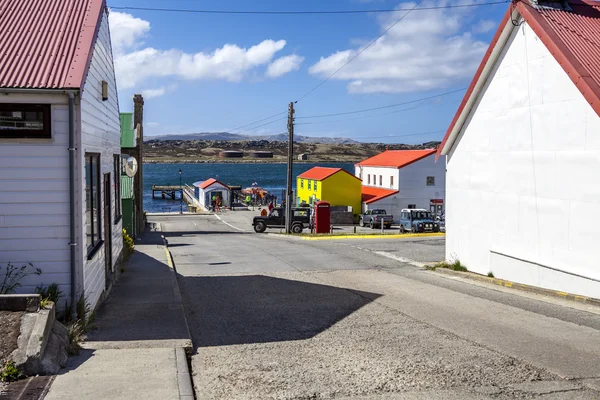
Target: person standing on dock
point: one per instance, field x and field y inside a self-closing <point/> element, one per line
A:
<point x="270" y="207"/>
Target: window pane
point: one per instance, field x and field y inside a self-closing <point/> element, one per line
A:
<point x="24" y="120"/>
<point x="88" y="202"/>
<point x="95" y="203"/>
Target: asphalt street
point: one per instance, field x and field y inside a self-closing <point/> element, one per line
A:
<point x="283" y="318"/>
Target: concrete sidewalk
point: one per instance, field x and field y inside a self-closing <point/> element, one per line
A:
<point x="138" y="350"/>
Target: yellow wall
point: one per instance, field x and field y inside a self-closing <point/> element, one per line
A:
<point x="342" y="189"/>
<point x="339" y="189"/>
<point x="304" y="193"/>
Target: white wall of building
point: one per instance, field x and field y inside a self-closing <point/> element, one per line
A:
<point x="523" y="181"/>
<point x="216" y="187"/>
<point x="34" y="198"/>
<point x="374" y="173"/>
<point x="101" y="133"/>
<point x="413" y="182"/>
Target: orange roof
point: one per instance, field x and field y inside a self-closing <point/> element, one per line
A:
<point x="210" y="182"/>
<point x="396" y="158"/>
<point x="48" y="43"/>
<point x="373" y="194"/>
<point x="322" y="173"/>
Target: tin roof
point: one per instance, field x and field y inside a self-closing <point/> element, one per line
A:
<point x="372" y="194"/>
<point x="126" y="187"/>
<point x="572" y="35"/>
<point x="396" y="158"/>
<point x="322" y="173"/>
<point x="209" y="182"/>
<point x="47" y="44"/>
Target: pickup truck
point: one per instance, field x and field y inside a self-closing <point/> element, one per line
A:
<point x="375" y="218"/>
<point x="276" y="219"/>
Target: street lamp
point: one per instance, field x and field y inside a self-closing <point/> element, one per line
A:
<point x="180" y="195"/>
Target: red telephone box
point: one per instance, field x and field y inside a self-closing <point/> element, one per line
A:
<point x="322" y="216"/>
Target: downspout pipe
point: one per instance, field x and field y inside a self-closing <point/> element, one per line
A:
<point x="72" y="216"/>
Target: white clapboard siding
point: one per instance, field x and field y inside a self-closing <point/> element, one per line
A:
<point x="100" y="133"/>
<point x="34" y="195"/>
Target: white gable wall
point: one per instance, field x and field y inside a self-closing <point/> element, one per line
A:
<point x="375" y="172"/>
<point x="34" y="198"/>
<point x="413" y="182"/>
<point x="523" y="188"/>
<point x="101" y="133"/>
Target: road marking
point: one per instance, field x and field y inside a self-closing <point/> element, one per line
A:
<point x="169" y="261"/>
<point x="394" y="257"/>
<point x="228" y="224"/>
<point x="388" y="236"/>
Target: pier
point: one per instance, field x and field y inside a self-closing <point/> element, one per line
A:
<point x="166" y="191"/>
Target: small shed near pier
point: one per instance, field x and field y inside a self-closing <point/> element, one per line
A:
<point x="205" y="190"/>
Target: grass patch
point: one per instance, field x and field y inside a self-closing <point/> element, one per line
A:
<point x="9" y="372"/>
<point x="490" y="275"/>
<point x="454" y="265"/>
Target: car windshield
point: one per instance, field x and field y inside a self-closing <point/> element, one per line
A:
<point x="421" y="215"/>
<point x="376" y="212"/>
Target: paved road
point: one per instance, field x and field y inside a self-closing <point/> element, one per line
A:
<point x="283" y="318"/>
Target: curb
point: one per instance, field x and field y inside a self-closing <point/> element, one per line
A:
<point x="520" y="286"/>
<point x="171" y="264"/>
<point x="389" y="236"/>
<point x="184" y="380"/>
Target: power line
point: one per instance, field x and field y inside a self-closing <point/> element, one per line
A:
<point x="360" y="52"/>
<point x="256" y="122"/>
<point x="383" y="107"/>
<point x="363" y="117"/>
<point x="404" y="135"/>
<point x="255" y="127"/>
<point x="302" y="12"/>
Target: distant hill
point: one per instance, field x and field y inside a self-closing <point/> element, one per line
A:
<point x="282" y="137"/>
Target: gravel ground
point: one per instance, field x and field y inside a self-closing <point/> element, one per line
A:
<point x="373" y="351"/>
<point x="10" y="327"/>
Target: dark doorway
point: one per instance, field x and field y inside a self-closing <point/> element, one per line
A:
<point x="107" y="232"/>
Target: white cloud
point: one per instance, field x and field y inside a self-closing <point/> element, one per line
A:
<point x="150" y="93"/>
<point x="484" y="26"/>
<point x="133" y="64"/>
<point x="283" y="65"/>
<point x="426" y="50"/>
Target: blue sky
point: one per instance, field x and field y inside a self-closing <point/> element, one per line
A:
<point x="208" y="73"/>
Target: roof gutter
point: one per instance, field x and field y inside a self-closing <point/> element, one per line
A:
<point x="36" y="90"/>
<point x="472" y="94"/>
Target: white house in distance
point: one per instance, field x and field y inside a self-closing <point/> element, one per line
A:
<point x="523" y="152"/>
<point x="205" y="190"/>
<point x="397" y="179"/>
<point x="60" y="154"/>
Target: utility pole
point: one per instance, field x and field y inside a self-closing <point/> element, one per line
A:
<point x="288" y="200"/>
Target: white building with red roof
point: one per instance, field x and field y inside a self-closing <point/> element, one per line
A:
<point x="60" y="154"/>
<point x="204" y="191"/>
<point x="397" y="179"/>
<point x="523" y="152"/>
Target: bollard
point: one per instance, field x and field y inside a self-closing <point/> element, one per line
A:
<point x="354" y="228"/>
<point x="382" y="224"/>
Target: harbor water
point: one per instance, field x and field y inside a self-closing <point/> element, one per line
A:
<point x="271" y="177"/>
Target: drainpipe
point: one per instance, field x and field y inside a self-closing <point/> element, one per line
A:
<point x="72" y="177"/>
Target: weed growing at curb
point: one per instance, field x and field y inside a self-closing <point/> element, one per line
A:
<point x="9" y="372"/>
<point x="13" y="276"/>
<point x="490" y="274"/>
<point x="128" y="246"/>
<point x="78" y="328"/>
<point x="454" y="265"/>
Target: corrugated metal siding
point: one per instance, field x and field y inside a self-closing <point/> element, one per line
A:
<point x="126" y="187"/>
<point x="127" y="131"/>
<point x="580" y="32"/>
<point x="47" y="43"/>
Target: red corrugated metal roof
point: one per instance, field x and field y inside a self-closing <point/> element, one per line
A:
<point x="210" y="182"/>
<point x="571" y="36"/>
<point x="396" y="158"/>
<point x="321" y="173"/>
<point x="47" y="44"/>
<point x="372" y="194"/>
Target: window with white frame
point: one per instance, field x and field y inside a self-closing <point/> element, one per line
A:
<point x="25" y="121"/>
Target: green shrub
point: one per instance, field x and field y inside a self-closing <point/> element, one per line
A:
<point x="9" y="372"/>
<point x="13" y="276"/>
<point x="50" y="293"/>
<point x="490" y="274"/>
<point x="128" y="245"/>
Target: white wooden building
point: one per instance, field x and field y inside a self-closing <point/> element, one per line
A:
<point x="523" y="152"/>
<point x="60" y="171"/>
<point x="397" y="179"/>
<point x="205" y="190"/>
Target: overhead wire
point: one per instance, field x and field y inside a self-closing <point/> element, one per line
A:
<point x="256" y="127"/>
<point x="403" y="135"/>
<point x="302" y="12"/>
<point x="363" y="117"/>
<point x="359" y="52"/>
<point x="256" y="122"/>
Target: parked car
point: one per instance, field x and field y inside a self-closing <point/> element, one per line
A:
<point x="276" y="219"/>
<point x="417" y="220"/>
<point x="375" y="218"/>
